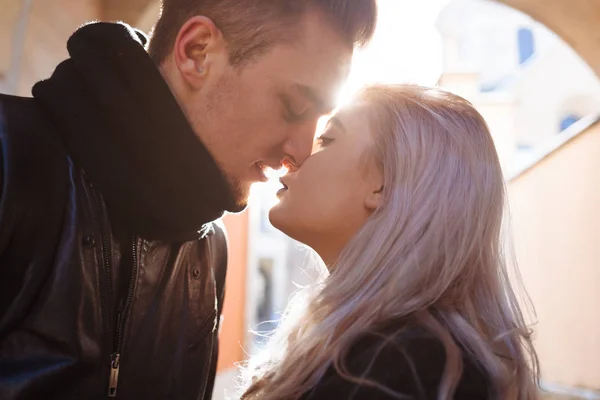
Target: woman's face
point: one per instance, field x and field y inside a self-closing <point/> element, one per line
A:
<point x="326" y="201"/>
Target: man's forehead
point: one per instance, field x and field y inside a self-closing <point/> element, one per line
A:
<point x="317" y="64"/>
<point x="316" y="73"/>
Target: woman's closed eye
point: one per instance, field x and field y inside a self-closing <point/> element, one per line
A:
<point x="324" y="141"/>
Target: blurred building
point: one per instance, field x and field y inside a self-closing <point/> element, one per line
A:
<point x="525" y="80"/>
<point x="542" y="103"/>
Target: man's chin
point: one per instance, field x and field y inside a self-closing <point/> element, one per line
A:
<point x="239" y="206"/>
<point x="241" y="193"/>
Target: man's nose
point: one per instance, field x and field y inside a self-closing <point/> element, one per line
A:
<point x="299" y="145"/>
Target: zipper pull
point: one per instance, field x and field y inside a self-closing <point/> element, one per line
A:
<point x="115" y="361"/>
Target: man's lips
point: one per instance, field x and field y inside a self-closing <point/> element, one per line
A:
<point x="261" y="170"/>
<point x="269" y="171"/>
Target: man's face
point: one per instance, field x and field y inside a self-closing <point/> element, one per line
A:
<point x="265" y="113"/>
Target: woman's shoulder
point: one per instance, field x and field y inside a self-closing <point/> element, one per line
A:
<point x="408" y="361"/>
<point x="413" y="359"/>
<point x="414" y="345"/>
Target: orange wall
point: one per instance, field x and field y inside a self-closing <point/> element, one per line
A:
<point x="556" y="224"/>
<point x="233" y="329"/>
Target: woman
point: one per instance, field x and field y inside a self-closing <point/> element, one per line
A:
<point x="403" y="200"/>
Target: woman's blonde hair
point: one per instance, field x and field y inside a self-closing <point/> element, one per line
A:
<point x="433" y="251"/>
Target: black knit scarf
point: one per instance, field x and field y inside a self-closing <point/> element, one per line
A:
<point x="121" y="124"/>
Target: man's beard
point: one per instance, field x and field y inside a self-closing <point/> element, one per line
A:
<point x="240" y="194"/>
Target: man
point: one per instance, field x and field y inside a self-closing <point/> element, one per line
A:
<point x="110" y="268"/>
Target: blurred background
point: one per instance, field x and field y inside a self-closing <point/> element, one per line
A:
<point x="531" y="68"/>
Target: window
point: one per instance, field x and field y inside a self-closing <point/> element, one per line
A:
<point x="568" y="120"/>
<point x="526" y="44"/>
<point x="265" y="308"/>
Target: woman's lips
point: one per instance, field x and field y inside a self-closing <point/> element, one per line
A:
<point x="283" y="183"/>
<point x="284" y="189"/>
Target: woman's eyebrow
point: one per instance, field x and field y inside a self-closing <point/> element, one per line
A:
<point x="337" y="123"/>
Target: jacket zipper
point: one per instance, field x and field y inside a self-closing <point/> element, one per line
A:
<point x="108" y="274"/>
<point x="117" y="337"/>
<point x="115" y="357"/>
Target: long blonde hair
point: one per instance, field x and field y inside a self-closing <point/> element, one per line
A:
<point x="432" y="251"/>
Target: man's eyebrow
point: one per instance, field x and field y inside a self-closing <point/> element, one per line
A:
<point x="322" y="106"/>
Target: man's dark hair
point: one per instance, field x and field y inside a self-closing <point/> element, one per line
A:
<point x="252" y="26"/>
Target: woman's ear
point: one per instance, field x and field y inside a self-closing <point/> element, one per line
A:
<point x="374" y="187"/>
<point x="374" y="199"/>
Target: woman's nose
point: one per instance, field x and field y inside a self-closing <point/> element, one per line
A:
<point x="300" y="145"/>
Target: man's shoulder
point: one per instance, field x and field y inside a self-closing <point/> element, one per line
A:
<point x="216" y="234"/>
<point x="10" y="102"/>
<point x="25" y="129"/>
<point x="220" y="231"/>
<point x="217" y="243"/>
<point x="218" y="254"/>
<point x="21" y="112"/>
<point x="33" y="163"/>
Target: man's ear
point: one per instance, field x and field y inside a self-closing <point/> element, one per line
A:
<point x="197" y="39"/>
